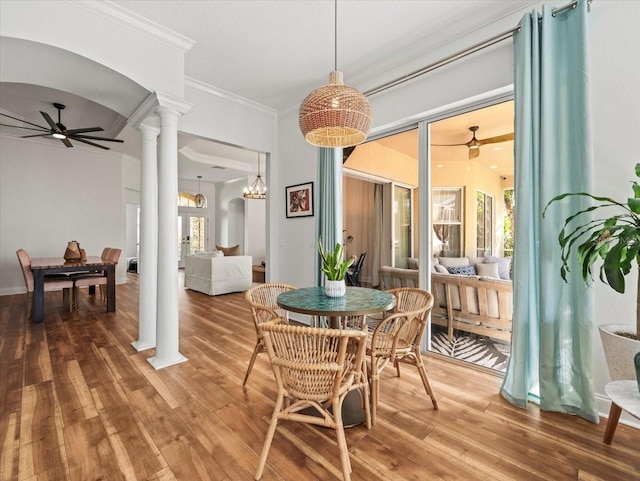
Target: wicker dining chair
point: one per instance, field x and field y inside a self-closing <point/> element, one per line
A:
<point x="396" y="339"/>
<point x="262" y="300"/>
<point x="315" y="369"/>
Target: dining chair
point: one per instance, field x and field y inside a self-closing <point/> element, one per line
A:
<point x="315" y="369"/>
<point x="353" y="273"/>
<point x="96" y="278"/>
<point x="264" y="307"/>
<point x="50" y="283"/>
<point x="396" y="339"/>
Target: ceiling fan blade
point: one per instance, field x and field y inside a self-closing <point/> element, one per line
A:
<point x="88" y="129"/>
<point x="26" y="122"/>
<point x="66" y="142"/>
<point x="46" y="134"/>
<point x="473" y="153"/>
<point x="27" y="128"/>
<point x="495" y="140"/>
<point x="90" y="143"/>
<point x="78" y="137"/>
<point x="50" y="121"/>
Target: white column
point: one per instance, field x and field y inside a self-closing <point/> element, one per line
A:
<point x="148" y="256"/>
<point x="167" y="335"/>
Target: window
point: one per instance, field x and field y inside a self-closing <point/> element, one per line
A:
<point x="447" y="221"/>
<point x="509" y="221"/>
<point x="484" y="233"/>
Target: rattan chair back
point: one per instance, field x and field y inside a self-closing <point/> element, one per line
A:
<point x="315" y="368"/>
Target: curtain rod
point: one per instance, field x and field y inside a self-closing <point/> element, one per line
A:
<point x="462" y="53"/>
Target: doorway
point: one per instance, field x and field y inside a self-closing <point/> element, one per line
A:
<point x="192" y="235"/>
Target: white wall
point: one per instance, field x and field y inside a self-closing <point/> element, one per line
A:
<point x="615" y="74"/>
<point x="49" y="195"/>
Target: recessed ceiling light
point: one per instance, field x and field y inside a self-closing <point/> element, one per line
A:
<point x="497" y="148"/>
<point x="440" y="166"/>
<point x="493" y="166"/>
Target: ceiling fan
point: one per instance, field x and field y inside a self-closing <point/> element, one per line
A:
<point x="59" y="131"/>
<point x="474" y="144"/>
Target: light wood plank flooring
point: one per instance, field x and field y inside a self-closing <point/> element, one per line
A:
<point x="77" y="402"/>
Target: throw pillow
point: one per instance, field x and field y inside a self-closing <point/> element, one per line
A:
<point x="441" y="269"/>
<point x="412" y="262"/>
<point x="488" y="270"/>
<point x="462" y="270"/>
<point x="504" y="266"/>
<point x="454" y="261"/>
<point x="230" y="251"/>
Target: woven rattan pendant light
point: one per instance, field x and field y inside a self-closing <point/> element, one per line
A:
<point x="335" y="115"/>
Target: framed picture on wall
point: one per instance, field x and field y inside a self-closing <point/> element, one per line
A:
<point x="299" y="200"/>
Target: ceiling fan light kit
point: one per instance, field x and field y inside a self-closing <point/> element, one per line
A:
<point x="59" y="131"/>
<point x="335" y="115"/>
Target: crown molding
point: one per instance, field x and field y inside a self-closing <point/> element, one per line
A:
<point x="115" y="13"/>
<point x="218" y="92"/>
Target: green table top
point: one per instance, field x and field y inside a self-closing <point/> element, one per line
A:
<point x="356" y="301"/>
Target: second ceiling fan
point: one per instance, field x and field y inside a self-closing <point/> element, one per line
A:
<point x="59" y="131"/>
<point x="474" y="144"/>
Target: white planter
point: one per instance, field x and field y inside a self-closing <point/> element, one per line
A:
<point x="619" y="351"/>
<point x="335" y="288"/>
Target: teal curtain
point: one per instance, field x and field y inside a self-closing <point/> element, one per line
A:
<point x="551" y="346"/>
<point x="328" y="202"/>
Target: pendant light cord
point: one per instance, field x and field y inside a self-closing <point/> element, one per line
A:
<point x="335" y="40"/>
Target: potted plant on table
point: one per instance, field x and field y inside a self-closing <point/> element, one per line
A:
<point x="614" y="243"/>
<point x="335" y="268"/>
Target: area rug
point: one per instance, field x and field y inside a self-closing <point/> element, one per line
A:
<point x="473" y="348"/>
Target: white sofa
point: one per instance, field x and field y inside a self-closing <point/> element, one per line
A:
<point x="214" y="274"/>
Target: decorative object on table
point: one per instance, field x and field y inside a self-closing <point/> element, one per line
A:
<point x="258" y="189"/>
<point x="73" y="252"/>
<point x="636" y="361"/>
<point x="616" y="242"/>
<point x="199" y="200"/>
<point x="335" y="115"/>
<point x="335" y="268"/>
<point x="299" y="200"/>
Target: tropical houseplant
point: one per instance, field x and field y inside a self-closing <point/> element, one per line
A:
<point x="335" y="268"/>
<point x="614" y="243"/>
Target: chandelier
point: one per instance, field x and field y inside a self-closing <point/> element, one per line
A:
<point x="258" y="189"/>
<point x="335" y="115"/>
<point x="199" y="199"/>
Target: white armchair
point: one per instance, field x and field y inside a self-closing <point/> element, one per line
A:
<point x="215" y="275"/>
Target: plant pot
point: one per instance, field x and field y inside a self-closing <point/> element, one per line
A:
<point x="335" y="288"/>
<point x="619" y="351"/>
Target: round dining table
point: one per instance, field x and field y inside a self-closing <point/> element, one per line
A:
<point x="357" y="301"/>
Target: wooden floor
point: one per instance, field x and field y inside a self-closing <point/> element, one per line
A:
<point x="77" y="402"/>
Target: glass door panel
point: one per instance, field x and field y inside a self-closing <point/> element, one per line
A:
<point x="402" y="214"/>
<point x="192" y="235"/>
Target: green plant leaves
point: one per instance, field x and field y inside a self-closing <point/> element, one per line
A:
<point x="333" y="265"/>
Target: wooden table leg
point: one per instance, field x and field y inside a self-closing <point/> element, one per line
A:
<point x="612" y="423"/>
<point x="111" y="288"/>
<point x="38" y="295"/>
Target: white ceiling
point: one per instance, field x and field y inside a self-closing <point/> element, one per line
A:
<point x="274" y="52"/>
